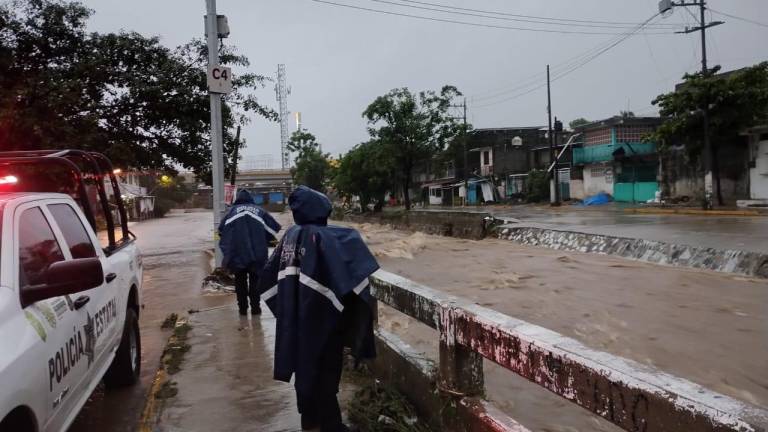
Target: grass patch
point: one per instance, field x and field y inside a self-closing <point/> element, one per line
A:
<point x="170" y="321"/>
<point x="167" y="390"/>
<point x="379" y="408"/>
<point x="177" y="346"/>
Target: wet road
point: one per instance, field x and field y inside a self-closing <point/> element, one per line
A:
<point x="174" y="266"/>
<point x="720" y="232"/>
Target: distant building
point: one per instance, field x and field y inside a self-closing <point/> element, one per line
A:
<point x="504" y="156"/>
<point x="615" y="158"/>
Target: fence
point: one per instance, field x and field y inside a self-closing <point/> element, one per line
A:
<point x="630" y="395"/>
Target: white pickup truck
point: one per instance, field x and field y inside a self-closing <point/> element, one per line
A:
<point x="69" y="302"/>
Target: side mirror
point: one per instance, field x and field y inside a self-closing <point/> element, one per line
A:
<point x="65" y="277"/>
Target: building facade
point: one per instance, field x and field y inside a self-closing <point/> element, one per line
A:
<point x="615" y="158"/>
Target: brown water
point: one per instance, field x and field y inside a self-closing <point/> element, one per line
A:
<point x="710" y="328"/>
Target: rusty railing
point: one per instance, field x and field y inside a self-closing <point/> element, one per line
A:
<point x="632" y="396"/>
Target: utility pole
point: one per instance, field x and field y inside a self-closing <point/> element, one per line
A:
<point x="463" y="106"/>
<point x="664" y="7"/>
<point x="464" y="142"/>
<point x="233" y="174"/>
<point x="217" y="150"/>
<point x="554" y="193"/>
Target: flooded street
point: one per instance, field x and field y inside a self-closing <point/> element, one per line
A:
<point x="703" y="326"/>
<point x="174" y="266"/>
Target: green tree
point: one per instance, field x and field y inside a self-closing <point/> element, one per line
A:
<point x="366" y="172"/>
<point x="576" y="123"/>
<point x="626" y="114"/>
<point x="412" y="127"/>
<point x="144" y="105"/>
<point x="537" y="186"/>
<point x="736" y="101"/>
<point x="312" y="165"/>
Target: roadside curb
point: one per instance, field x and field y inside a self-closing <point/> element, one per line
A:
<point x="153" y="406"/>
<point x="694" y="212"/>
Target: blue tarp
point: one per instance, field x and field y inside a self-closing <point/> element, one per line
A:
<point x="599" y="199"/>
<point x="276" y="197"/>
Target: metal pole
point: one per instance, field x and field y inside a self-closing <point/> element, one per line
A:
<point x="552" y="178"/>
<point x="707" y="159"/>
<point x="217" y="151"/>
<point x="466" y="163"/>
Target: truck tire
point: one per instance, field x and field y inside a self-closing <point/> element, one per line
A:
<point x="126" y="365"/>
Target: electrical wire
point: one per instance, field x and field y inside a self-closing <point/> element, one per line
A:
<point x="575" y="65"/>
<point x="507" y="17"/>
<point x="474" y="24"/>
<point x="622" y="24"/>
<point x="564" y="66"/>
<point x="758" y="23"/>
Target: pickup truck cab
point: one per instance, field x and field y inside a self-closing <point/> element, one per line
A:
<point x="69" y="309"/>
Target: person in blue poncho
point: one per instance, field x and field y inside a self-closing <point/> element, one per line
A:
<point x="246" y="231"/>
<point x="316" y="285"/>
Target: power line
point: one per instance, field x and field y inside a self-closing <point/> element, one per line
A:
<point x="565" y="66"/>
<point x="506" y="16"/>
<point x="465" y="22"/>
<point x="623" y="24"/>
<point x="739" y="18"/>
<point x="577" y="65"/>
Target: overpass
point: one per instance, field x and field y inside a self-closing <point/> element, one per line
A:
<point x="265" y="180"/>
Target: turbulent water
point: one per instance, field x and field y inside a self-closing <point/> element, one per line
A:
<point x="707" y="327"/>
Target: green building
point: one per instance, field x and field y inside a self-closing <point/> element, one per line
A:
<point x="615" y="158"/>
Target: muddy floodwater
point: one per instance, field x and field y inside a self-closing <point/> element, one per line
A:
<point x="710" y="328"/>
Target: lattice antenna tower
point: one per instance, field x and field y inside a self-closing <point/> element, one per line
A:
<point x="282" y="91"/>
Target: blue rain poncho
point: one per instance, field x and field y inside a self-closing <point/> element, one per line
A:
<point x="246" y="231"/>
<point x="316" y="285"/>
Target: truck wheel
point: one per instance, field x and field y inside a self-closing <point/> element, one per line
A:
<point x="126" y="365"/>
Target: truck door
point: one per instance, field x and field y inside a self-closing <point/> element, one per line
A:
<point x="64" y="358"/>
<point x="101" y="310"/>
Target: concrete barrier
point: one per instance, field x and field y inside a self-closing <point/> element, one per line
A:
<point x="448" y="394"/>
<point x="753" y="264"/>
<point x="467" y="225"/>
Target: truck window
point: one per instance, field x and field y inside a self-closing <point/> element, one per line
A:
<point x="38" y="248"/>
<point x="75" y="235"/>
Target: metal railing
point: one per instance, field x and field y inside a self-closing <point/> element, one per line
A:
<point x="632" y="396"/>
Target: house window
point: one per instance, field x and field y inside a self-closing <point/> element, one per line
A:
<point x="486" y="157"/>
<point x="517" y="141"/>
<point x="597" y="172"/>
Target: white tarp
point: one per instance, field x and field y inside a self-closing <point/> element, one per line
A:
<point x="487" y="192"/>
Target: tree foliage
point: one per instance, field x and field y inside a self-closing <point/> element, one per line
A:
<point x="576" y="123"/>
<point x="412" y="128"/>
<point x="312" y="165"/>
<point x="366" y="172"/>
<point x="537" y="187"/>
<point x="736" y="101"/>
<point x="142" y="104"/>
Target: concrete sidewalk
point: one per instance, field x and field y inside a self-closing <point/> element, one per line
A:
<point x="225" y="382"/>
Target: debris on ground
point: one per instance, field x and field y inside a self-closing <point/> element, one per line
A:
<point x="219" y="281"/>
<point x="167" y="390"/>
<point x="177" y="346"/>
<point x="170" y="321"/>
<point x="377" y="407"/>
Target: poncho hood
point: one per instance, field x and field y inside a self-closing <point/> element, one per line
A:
<point x="309" y="206"/>
<point x="244" y="197"/>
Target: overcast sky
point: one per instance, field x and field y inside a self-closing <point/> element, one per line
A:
<point x="339" y="59"/>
